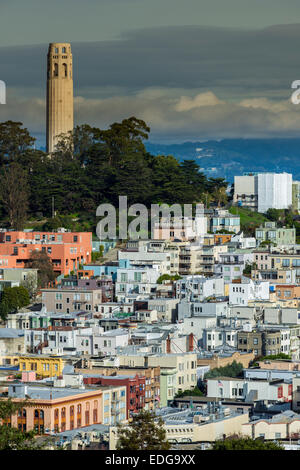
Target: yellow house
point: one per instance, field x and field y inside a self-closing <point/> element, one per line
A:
<point x="45" y="366"/>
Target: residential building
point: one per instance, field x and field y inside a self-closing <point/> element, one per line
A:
<point x="12" y="341"/>
<point x="66" y="250"/>
<point x="220" y="220"/>
<point x="296" y="195"/>
<point x="166" y="308"/>
<point x="285" y="425"/>
<point x="270" y="341"/>
<point x="246" y="191"/>
<point x="185" y="365"/>
<point x="263" y="191"/>
<point x="67" y="300"/>
<point x="215" y="337"/>
<point x="274" y="276"/>
<point x="276" y="235"/>
<point x="198" y="288"/>
<point x="59" y="409"/>
<point x="144" y="258"/>
<point x="287" y="292"/>
<point x="232" y="265"/>
<point x="135" y="281"/>
<point x="135" y="388"/>
<point x="18" y="274"/>
<point x="167" y="386"/>
<point x="151" y="374"/>
<point x="248" y="291"/>
<point x="250" y="389"/>
<point x="42" y="365"/>
<point x="224" y="358"/>
<point x="215" y="307"/>
<point x="274" y="191"/>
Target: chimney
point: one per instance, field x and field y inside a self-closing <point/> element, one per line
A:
<point x="168" y="345"/>
<point x="191" y="342"/>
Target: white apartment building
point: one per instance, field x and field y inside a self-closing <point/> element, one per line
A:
<point x="198" y="288"/>
<point x="197" y="325"/>
<point x="105" y="343"/>
<point x="244" y="242"/>
<point x="63" y="337"/>
<point x="263" y="191"/>
<point x="214" y="337"/>
<point x="181" y="228"/>
<point x="247" y="291"/>
<point x="135" y="281"/>
<point x="198" y="308"/>
<point x="246" y="389"/>
<point x="274" y="191"/>
<point x="232" y="265"/>
<point x="147" y="259"/>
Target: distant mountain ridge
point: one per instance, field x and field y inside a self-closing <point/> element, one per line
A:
<point x="229" y="157"/>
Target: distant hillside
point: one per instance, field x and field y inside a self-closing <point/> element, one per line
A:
<point x="229" y="157"/>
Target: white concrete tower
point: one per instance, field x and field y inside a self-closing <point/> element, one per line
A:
<point x="60" y="113"/>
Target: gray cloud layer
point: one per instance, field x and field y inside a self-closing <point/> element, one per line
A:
<point x="186" y="82"/>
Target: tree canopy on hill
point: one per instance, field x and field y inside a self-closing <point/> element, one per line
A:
<point x="92" y="166"/>
<point x="234" y="369"/>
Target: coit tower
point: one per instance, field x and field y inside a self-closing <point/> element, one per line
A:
<point x="59" y="93"/>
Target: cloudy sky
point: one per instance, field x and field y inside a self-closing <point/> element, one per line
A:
<point x="192" y="69"/>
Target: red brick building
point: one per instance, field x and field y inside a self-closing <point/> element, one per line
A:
<point x="135" y="388"/>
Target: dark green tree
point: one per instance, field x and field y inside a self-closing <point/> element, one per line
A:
<point x="14" y="193"/>
<point x="194" y="177"/>
<point x="237" y="442"/>
<point x="190" y="393"/>
<point x="92" y="166"/>
<point x="12" y="299"/>
<point x="143" y="433"/>
<point x="235" y="369"/>
<point x="14" y="141"/>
